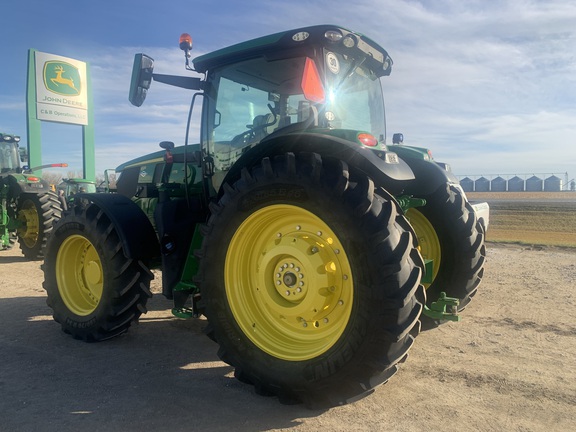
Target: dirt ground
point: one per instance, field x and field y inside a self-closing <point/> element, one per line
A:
<point x="510" y="365"/>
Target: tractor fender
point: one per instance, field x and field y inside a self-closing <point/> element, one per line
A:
<point x="392" y="176"/>
<point x="135" y="230"/>
<point x="18" y="185"/>
<point x="429" y="177"/>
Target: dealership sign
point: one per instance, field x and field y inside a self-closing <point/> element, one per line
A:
<point x="61" y="89"/>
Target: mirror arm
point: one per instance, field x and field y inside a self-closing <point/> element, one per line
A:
<point x="179" y="81"/>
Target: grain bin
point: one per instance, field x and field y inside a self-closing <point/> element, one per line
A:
<point x="516" y="184"/>
<point x="534" y="184"/>
<point x="482" y="185"/>
<point x="498" y="184"/>
<point x="553" y="184"/>
<point x="467" y="184"/>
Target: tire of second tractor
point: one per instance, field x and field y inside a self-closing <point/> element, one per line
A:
<point x="94" y="291"/>
<point x="449" y="233"/>
<point x="311" y="281"/>
<point x="38" y="213"/>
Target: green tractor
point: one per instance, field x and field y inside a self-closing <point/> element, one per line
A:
<point x="28" y="206"/>
<point x="69" y="187"/>
<point x="313" y="249"/>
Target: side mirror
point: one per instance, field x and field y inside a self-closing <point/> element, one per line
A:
<point x="167" y="145"/>
<point x="397" y="138"/>
<point x="141" y="78"/>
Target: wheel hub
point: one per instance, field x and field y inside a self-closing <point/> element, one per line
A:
<point x="289" y="280"/>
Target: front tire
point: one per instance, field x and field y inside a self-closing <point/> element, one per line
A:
<point x="310" y="280"/>
<point x="450" y="234"/>
<point x="94" y="291"/>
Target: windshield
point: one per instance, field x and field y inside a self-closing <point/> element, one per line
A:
<point x="257" y="97"/>
<point x="9" y="160"/>
<point x="354" y="96"/>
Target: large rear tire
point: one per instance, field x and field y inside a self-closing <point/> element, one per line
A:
<point x="311" y="281"/>
<point x="37" y="214"/>
<point x="95" y="292"/>
<point x="450" y="234"/>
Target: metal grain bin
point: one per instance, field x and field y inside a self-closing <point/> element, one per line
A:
<point x="498" y="184"/>
<point x="553" y="184"/>
<point x="482" y="185"/>
<point x="516" y="184"/>
<point x="534" y="184"/>
<point x="467" y="184"/>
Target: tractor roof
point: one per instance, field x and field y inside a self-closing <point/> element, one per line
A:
<point x="293" y="41"/>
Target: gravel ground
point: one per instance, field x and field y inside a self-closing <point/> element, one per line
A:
<point x="509" y="365"/>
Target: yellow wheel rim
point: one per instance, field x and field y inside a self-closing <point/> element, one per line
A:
<point x="428" y="242"/>
<point x="79" y="275"/>
<point x="28" y="215"/>
<point x="288" y="282"/>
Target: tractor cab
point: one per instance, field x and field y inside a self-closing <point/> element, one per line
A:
<point x="73" y="186"/>
<point x="320" y="79"/>
<point x="9" y="156"/>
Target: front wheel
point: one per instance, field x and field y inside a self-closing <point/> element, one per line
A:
<point x="95" y="292"/>
<point x="450" y="234"/>
<point x="310" y="280"/>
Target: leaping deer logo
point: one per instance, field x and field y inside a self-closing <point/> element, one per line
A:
<point x="61" y="80"/>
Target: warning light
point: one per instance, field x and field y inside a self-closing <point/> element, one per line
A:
<point x="185" y="42"/>
<point x="368" y="139"/>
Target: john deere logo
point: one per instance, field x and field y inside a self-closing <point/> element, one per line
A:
<point x="62" y="78"/>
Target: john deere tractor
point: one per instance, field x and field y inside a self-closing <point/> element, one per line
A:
<point x="69" y="187"/>
<point x="27" y="205"/>
<point x="313" y="249"/>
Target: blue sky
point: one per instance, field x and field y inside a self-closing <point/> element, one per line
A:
<point x="488" y="86"/>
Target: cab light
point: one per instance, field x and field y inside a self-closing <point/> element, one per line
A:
<point x="333" y="35"/>
<point x="349" y="42"/>
<point x="300" y="36"/>
<point x="185" y="42"/>
<point x="311" y="83"/>
<point x="368" y="139"/>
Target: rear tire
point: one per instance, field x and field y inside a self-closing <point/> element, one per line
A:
<point x="449" y="233"/>
<point x="38" y="213"/>
<point x="310" y="280"/>
<point x="95" y="292"/>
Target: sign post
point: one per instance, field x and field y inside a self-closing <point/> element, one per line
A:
<point x="58" y="91"/>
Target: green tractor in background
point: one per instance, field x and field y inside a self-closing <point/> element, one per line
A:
<point x="28" y="206"/>
<point x="312" y="247"/>
<point x="69" y="187"/>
